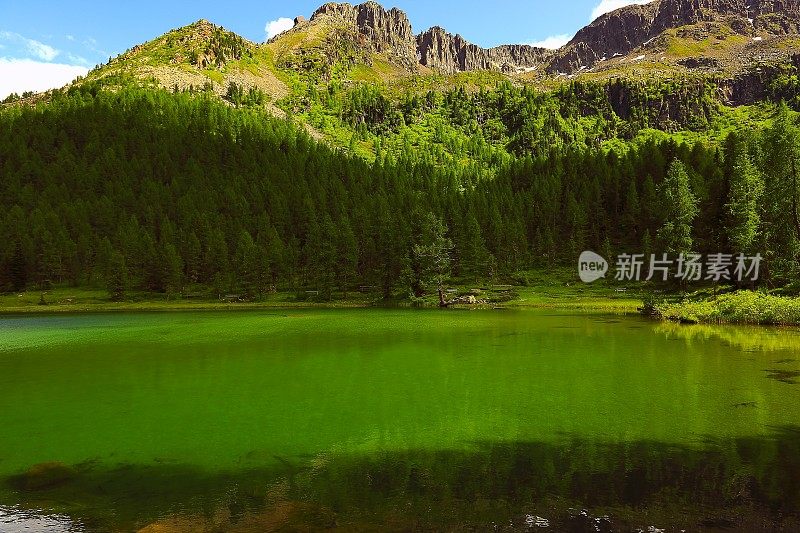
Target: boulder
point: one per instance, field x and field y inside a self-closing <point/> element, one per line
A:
<point x="46" y="476"/>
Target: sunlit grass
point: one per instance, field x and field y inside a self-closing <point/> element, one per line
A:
<point x="742" y="307"/>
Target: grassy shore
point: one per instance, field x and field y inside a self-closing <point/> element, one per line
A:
<point x="552" y="289"/>
<point x="742" y="307"/>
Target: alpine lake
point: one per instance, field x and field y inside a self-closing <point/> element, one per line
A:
<point x="371" y="419"/>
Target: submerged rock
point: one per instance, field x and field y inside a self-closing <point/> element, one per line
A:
<point x="46" y="476"/>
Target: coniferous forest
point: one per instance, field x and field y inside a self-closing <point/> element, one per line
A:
<point x="173" y="192"/>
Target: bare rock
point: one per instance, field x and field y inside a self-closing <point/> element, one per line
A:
<point x="622" y="31"/>
<point x="450" y="53"/>
<point x="380" y="30"/>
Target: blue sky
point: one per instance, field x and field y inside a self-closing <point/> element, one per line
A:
<point x="47" y="43"/>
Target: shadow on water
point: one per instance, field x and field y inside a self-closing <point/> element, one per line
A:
<point x="747" y="484"/>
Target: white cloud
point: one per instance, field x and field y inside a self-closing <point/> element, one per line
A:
<point x="607" y="6"/>
<point x="35" y="48"/>
<point x="274" y="27"/>
<point x="553" y="42"/>
<point x="41" y="50"/>
<point x="20" y="75"/>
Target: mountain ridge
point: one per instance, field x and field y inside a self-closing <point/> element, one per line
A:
<point x="729" y="40"/>
<point x="611" y="35"/>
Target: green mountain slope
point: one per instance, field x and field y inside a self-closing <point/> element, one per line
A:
<point x="191" y="144"/>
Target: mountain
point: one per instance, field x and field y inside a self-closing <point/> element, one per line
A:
<point x="389" y="33"/>
<point x="368" y="43"/>
<point x="672" y="33"/>
<point x="677" y="29"/>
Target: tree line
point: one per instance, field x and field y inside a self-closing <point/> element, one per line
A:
<point x="143" y="189"/>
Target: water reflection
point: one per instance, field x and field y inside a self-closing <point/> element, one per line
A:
<point x="19" y="520"/>
<point x="746" y="338"/>
<point x="748" y="484"/>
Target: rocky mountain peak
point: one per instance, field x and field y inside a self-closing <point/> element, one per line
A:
<point x="390" y="32"/>
<point x="449" y="53"/>
<point x="443" y="51"/>
<point x="381" y="30"/>
<point x="623" y="30"/>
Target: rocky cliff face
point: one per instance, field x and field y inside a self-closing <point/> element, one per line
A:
<point x="516" y="57"/>
<point x="617" y="33"/>
<point x="390" y="32"/>
<point x="450" y="53"/>
<point x="380" y="30"/>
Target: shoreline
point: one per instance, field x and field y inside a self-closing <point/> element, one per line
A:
<point x="527" y="299"/>
<point x="156" y="307"/>
<point x="734" y="308"/>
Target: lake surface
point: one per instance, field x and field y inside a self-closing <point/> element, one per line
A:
<point x="395" y="419"/>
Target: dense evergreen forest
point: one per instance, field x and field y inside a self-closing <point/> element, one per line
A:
<point x="144" y="189"/>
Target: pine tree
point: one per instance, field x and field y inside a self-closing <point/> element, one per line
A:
<point x="433" y="253"/>
<point x="680" y="207"/>
<point x="193" y="253"/>
<point x="348" y="251"/>
<point x="782" y="192"/>
<point x="632" y="217"/>
<point x="743" y="207"/>
<point x="246" y="262"/>
<point x="18" y="268"/>
<point x="474" y="255"/>
<point x="117" y="277"/>
<point x="327" y="261"/>
<point x="171" y="270"/>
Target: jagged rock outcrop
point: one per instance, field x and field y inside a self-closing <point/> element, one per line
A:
<point x="380" y="30"/>
<point x="390" y="32"/>
<point x="373" y="29"/>
<point x="517" y="57"/>
<point x="450" y="53"/>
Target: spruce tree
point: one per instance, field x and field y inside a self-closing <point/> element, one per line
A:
<point x="680" y="208"/>
<point x="117" y="277"/>
<point x="744" y="204"/>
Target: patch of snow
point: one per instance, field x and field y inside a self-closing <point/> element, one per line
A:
<point x="758" y="38"/>
<point x="530" y="69"/>
<point x="638" y="58"/>
<point x="602" y="59"/>
<point x="617" y="55"/>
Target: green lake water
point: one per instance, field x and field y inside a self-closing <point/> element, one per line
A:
<point x="394" y="419"/>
